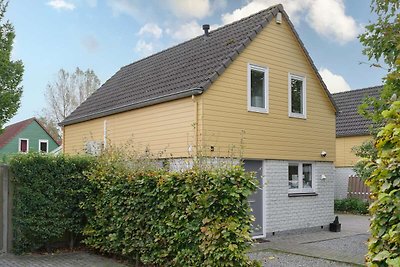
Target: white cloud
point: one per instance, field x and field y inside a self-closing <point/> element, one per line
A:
<point x="144" y="48"/>
<point x="152" y="29"/>
<point x="334" y="82"/>
<point x="326" y="17"/>
<point x="185" y="31"/>
<point x="123" y="7"/>
<point x="190" y="8"/>
<point x="61" y="4"/>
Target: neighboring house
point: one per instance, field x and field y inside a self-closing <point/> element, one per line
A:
<point x="352" y="129"/>
<point x="248" y="84"/>
<point x="26" y="136"/>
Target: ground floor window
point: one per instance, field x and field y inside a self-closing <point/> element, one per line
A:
<point x="300" y="177"/>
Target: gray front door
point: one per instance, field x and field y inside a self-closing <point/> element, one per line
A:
<point x="256" y="199"/>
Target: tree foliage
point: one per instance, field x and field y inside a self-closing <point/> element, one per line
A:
<point x="384" y="244"/>
<point x="66" y="93"/>
<point x="382" y="41"/>
<point x="10" y="71"/>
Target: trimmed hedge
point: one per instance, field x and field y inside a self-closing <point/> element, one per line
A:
<point x="351" y="205"/>
<point x="193" y="218"/>
<point x="47" y="194"/>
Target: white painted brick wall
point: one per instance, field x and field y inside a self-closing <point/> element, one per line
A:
<point x="285" y="213"/>
<point x="342" y="181"/>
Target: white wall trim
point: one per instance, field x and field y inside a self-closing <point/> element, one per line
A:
<point x="19" y="145"/>
<point x="266" y="88"/>
<point x="304" y="96"/>
<point x="47" y="145"/>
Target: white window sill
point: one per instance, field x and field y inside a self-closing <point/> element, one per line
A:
<point x="302" y="194"/>
<point x="297" y="116"/>
<point x="257" y="110"/>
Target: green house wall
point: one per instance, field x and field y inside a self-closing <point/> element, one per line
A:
<point x="33" y="132"/>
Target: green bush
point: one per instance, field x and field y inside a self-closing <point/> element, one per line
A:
<point x="192" y="218"/>
<point x="47" y="193"/>
<point x="351" y="205"/>
<point x="384" y="244"/>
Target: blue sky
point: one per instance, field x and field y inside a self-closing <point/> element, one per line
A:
<point x="105" y="35"/>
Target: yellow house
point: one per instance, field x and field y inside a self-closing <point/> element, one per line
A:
<point x="249" y="86"/>
<point x="352" y="130"/>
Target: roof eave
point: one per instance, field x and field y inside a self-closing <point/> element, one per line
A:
<point x="136" y="105"/>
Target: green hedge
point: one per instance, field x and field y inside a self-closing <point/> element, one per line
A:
<point x="384" y="244"/>
<point x="47" y="194"/>
<point x="351" y="205"/>
<point x="194" y="218"/>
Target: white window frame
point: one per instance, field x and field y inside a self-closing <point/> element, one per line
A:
<point x="47" y="145"/>
<point x="266" y="88"/>
<point x="304" y="99"/>
<point x="300" y="188"/>
<point x="27" y="145"/>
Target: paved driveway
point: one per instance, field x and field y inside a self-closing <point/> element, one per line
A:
<point x="345" y="248"/>
<point x="73" y="259"/>
<point x="320" y="248"/>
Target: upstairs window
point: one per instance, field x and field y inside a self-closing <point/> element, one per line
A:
<point x="257" y="89"/>
<point x="297" y="96"/>
<point x="300" y="177"/>
<point x="23" y="145"/>
<point x="44" y="146"/>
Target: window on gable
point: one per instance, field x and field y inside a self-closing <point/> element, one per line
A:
<point x="44" y="146"/>
<point x="297" y="96"/>
<point x="257" y="91"/>
<point x="300" y="177"/>
<point x="23" y="145"/>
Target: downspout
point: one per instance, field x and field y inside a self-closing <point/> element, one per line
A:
<point x="196" y="124"/>
<point x="63" y="140"/>
<point x="105" y="134"/>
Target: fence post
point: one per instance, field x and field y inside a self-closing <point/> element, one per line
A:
<point x="4" y="208"/>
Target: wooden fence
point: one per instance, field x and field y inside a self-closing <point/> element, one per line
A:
<point x="5" y="209"/>
<point x="357" y="188"/>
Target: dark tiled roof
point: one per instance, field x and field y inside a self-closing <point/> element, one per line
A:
<point x="14" y="129"/>
<point x="180" y="71"/>
<point x="348" y="121"/>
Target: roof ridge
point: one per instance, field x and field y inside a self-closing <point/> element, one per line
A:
<point x="199" y="36"/>
<point x="358" y="89"/>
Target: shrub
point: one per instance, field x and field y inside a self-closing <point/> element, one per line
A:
<point x="351" y="205"/>
<point x="193" y="218"/>
<point x="47" y="193"/>
<point x="384" y="244"/>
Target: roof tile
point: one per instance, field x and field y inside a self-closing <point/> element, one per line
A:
<point x="348" y="121"/>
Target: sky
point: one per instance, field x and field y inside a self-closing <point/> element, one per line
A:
<point x="105" y="35"/>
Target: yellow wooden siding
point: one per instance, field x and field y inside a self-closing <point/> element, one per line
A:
<point x="168" y="126"/>
<point x="227" y="123"/>
<point x="344" y="154"/>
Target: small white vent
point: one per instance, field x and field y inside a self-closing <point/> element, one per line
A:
<point x="279" y="18"/>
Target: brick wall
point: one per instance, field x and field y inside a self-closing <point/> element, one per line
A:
<point x="285" y="213"/>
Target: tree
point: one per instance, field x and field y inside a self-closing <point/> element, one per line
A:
<point x="66" y="93"/>
<point x="10" y="71"/>
<point x="382" y="42"/>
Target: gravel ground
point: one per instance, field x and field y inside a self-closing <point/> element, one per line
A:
<point x="356" y="245"/>
<point x="279" y="259"/>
